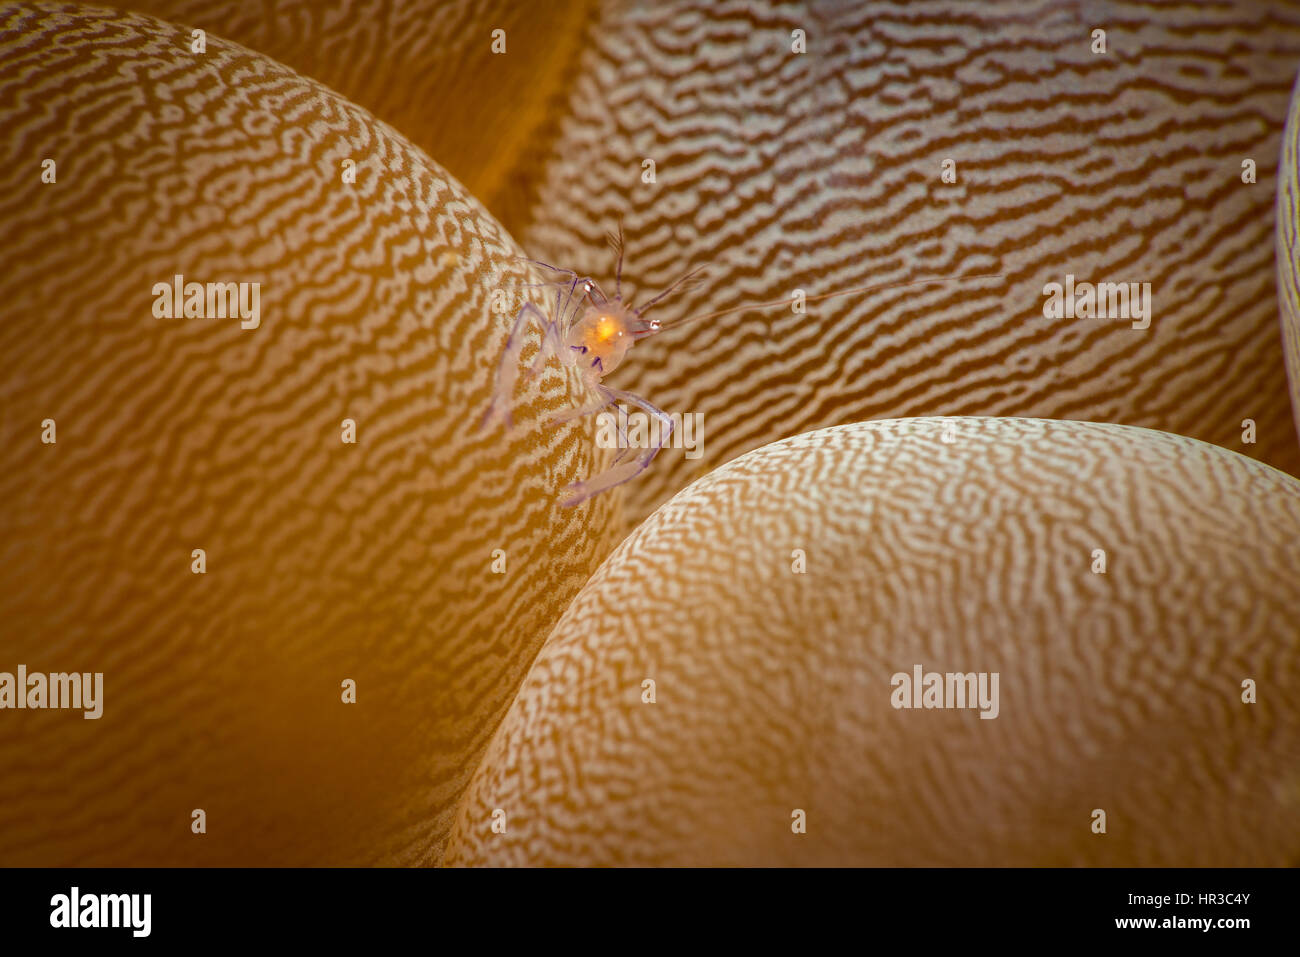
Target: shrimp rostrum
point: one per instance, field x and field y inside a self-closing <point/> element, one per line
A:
<point x="591" y="332"/>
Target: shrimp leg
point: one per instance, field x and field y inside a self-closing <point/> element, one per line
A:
<point x="569" y="274"/>
<point x="601" y="402"/>
<point x="508" y="368"/>
<point x="618" y="474"/>
<point x="565" y="300"/>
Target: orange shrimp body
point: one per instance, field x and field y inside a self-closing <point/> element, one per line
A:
<point x="602" y="336"/>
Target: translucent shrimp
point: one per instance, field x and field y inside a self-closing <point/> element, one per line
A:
<point x="592" y="332"/>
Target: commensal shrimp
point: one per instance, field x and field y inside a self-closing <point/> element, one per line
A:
<point x="593" y="332"/>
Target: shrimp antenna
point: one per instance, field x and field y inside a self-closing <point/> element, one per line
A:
<point x="828" y="295"/>
<point x="691" y="276"/>
<point x="617" y="243"/>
